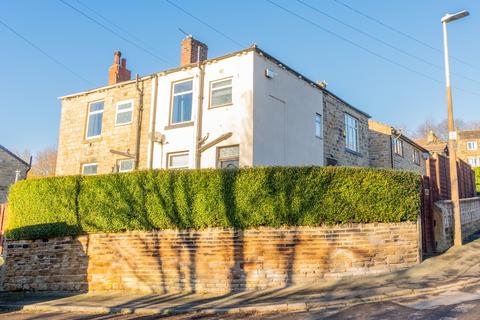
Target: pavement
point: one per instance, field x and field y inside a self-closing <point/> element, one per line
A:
<point x="455" y="271"/>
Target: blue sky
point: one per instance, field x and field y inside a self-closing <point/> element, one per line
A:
<point x="30" y="83"/>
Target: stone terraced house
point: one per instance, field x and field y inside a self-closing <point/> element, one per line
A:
<point x="243" y="109"/>
<point x="12" y="169"/>
<point x="468" y="147"/>
<point x="389" y="148"/>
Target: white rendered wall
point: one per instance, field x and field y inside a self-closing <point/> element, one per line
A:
<point x="284" y="118"/>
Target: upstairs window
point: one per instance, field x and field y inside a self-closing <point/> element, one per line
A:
<point x="351" y="133"/>
<point x="318" y="125"/>
<point x="94" y="121"/>
<point x="416" y="157"/>
<point x="125" y="165"/>
<point x="124" y="113"/>
<point x="228" y="157"/>
<point x="89" y="169"/>
<point x="472" y="145"/>
<point x="182" y="102"/>
<point x="220" y="93"/>
<point x="397" y="146"/>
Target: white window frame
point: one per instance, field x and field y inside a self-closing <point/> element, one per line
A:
<point x="178" y="153"/>
<point x="348" y="129"/>
<point x="178" y="94"/>
<point x="89" y="164"/>
<point x="130" y="101"/>
<point x="318" y="125"/>
<point x="397" y="145"/>
<point x="474" y="161"/>
<point x="119" y="165"/>
<point x="416" y="157"/>
<point x="220" y="160"/>
<point x="211" y="106"/>
<point x="89" y="113"/>
<point x="472" y="145"/>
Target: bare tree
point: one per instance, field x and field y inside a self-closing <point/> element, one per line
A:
<point x="44" y="163"/>
<point x="441" y="128"/>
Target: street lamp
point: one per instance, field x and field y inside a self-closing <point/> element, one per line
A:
<point x="452" y="134"/>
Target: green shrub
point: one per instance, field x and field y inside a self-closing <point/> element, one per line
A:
<point x="477" y="178"/>
<point x="198" y="199"/>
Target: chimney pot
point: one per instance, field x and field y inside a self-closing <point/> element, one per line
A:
<point x="118" y="71"/>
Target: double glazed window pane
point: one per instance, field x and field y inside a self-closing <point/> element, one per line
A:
<point x="351" y="132"/>
<point x="178" y="160"/>
<point x="95" y="116"/>
<point x="318" y="125"/>
<point x="228" y="157"/>
<point x="182" y="102"/>
<point x="125" y="165"/>
<point x="90" y="169"/>
<point x="221" y="93"/>
<point x="124" y="113"/>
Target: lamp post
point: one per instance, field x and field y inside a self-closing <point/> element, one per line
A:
<point x="452" y="134"/>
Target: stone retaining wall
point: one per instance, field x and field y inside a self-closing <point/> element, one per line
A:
<point x="443" y="221"/>
<point x="212" y="260"/>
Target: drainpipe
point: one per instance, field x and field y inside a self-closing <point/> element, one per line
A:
<point x="154" y="117"/>
<point x="199" y="139"/>
<point x="139" y="121"/>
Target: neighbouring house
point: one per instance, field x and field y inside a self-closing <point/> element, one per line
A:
<point x="468" y="146"/>
<point x="345" y="133"/>
<point x="389" y="148"/>
<point x="12" y="169"/>
<point x="434" y="144"/>
<point x="243" y="109"/>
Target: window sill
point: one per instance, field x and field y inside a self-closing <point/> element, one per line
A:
<point x="92" y="140"/>
<point x="179" y="125"/>
<point x="355" y="153"/>
<point x="122" y="124"/>
<point x="220" y="106"/>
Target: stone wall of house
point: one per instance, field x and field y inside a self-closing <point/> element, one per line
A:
<point x="382" y="155"/>
<point x="9" y="164"/>
<point x="405" y="161"/>
<point x="74" y="149"/>
<point x="380" y="148"/>
<point x="212" y="260"/>
<point x="334" y="134"/>
<point x="463" y="138"/>
<point x="443" y="221"/>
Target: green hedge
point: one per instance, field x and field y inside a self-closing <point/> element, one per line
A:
<point x="197" y="199"/>
<point x="477" y="178"/>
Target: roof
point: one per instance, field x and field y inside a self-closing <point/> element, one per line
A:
<point x="14" y="155"/>
<point x="253" y="48"/>
<point x="436" y="145"/>
<point x="469" y="134"/>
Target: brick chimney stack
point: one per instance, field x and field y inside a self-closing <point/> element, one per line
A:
<point x="191" y="50"/>
<point x="118" y="71"/>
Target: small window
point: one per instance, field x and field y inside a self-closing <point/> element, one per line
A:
<point x="89" y="169"/>
<point x="221" y="93"/>
<point x="94" y="121"/>
<point x="124" y="113"/>
<point x="178" y="160"/>
<point x="182" y="102"/>
<point x="397" y="145"/>
<point x="228" y="157"/>
<point x="318" y="125"/>
<point x="416" y="157"/>
<point x="125" y="165"/>
<point x="474" y="161"/>
<point x="472" y="145"/>
<point x="351" y="133"/>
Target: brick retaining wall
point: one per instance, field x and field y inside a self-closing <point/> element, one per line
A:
<point x="443" y="217"/>
<point x="213" y="260"/>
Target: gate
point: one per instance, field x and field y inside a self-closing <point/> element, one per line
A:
<point x="428" y="237"/>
